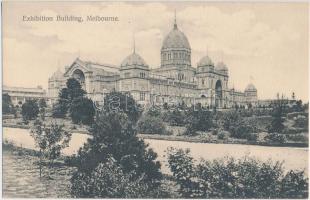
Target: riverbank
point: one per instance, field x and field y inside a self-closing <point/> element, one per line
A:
<point x="193" y="139"/>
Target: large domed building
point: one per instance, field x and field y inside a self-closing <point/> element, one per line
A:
<point x="174" y="81"/>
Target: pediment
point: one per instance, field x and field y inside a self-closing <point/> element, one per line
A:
<point x="77" y="64"/>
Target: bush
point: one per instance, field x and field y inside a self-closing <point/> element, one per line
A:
<point x="301" y="122"/>
<point x="114" y="137"/>
<point x="252" y="137"/>
<point x="230" y="178"/>
<point x="152" y="125"/>
<point x="276" y="137"/>
<point x="297" y="137"/>
<point x="175" y="118"/>
<point x="223" y="135"/>
<point x="199" y="120"/>
<point x="108" y="180"/>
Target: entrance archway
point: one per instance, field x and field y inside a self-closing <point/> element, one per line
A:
<point x="79" y="75"/>
<point x="218" y="94"/>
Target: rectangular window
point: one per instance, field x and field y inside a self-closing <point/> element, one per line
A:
<point x="142" y="96"/>
<point x="127" y="74"/>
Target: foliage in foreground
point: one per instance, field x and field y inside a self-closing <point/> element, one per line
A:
<point x="133" y="162"/>
<point x="230" y="178"/>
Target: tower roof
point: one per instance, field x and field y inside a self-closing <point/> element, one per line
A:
<point x="134" y="59"/>
<point x="204" y="61"/>
<point x="221" y="67"/>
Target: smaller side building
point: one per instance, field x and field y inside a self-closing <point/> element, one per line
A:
<point x="20" y="94"/>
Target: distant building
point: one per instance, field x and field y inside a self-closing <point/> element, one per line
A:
<point x="20" y="94"/>
<point x="176" y="80"/>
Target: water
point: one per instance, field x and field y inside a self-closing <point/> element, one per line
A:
<point x="294" y="158"/>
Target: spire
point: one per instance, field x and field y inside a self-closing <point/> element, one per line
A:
<point x="175" y="19"/>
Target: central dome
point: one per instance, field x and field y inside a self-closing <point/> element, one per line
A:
<point x="134" y="59"/>
<point x="176" y="39"/>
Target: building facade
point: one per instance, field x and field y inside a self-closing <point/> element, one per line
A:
<point x="175" y="81"/>
<point x="19" y="95"/>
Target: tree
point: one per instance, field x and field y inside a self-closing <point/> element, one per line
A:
<point x="60" y="109"/>
<point x="114" y="137"/>
<point x="7" y="105"/>
<point x="82" y="111"/>
<point x="42" y="107"/>
<point x="277" y="120"/>
<point x="30" y="110"/>
<point x="120" y="102"/>
<point x="66" y="96"/>
<point x="50" y="140"/>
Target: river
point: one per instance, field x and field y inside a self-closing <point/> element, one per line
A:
<point x="294" y="158"/>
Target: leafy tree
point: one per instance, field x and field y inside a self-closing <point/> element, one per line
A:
<point x="114" y="137"/>
<point x="30" y="110"/>
<point x="120" y="102"/>
<point x="66" y="96"/>
<point x="50" y="140"/>
<point x="82" y="111"/>
<point x="60" y="109"/>
<point x="72" y="91"/>
<point x="42" y="107"/>
<point x="277" y="113"/>
<point x="7" y="105"/>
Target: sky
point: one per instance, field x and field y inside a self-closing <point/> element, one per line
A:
<point x="261" y="43"/>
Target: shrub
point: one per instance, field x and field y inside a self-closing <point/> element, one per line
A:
<point x="107" y="180"/>
<point x="297" y="137"/>
<point x="276" y="137"/>
<point x="301" y="122"/>
<point x="200" y="120"/>
<point x="223" y="135"/>
<point x="152" y="125"/>
<point x="252" y="137"/>
<point x="175" y="117"/>
<point x="230" y="178"/>
<point x="114" y="137"/>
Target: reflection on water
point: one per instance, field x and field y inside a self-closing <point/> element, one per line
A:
<point x="295" y="158"/>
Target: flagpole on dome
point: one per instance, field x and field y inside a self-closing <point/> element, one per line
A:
<point x="175" y="19"/>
